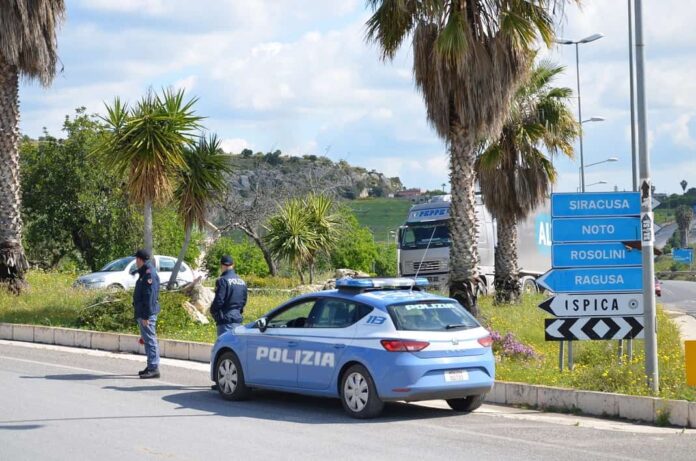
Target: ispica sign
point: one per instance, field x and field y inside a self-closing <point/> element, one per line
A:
<point x="567" y="205"/>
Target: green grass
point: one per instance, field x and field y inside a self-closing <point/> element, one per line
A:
<point x="596" y="363"/>
<point x="663" y="215"/>
<point x="381" y="215"/>
<point x="51" y="300"/>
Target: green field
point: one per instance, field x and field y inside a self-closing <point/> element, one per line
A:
<point x="663" y="216"/>
<point x="381" y="215"/>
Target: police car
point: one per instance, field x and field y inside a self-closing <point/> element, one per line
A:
<point x="367" y="342"/>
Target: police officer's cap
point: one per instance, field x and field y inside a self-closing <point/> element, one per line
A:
<point x="226" y="260"/>
<point x="142" y="254"/>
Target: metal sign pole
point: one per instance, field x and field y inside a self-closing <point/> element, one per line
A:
<point x="634" y="151"/>
<point x="647" y="235"/>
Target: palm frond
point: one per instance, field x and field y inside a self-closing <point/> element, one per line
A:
<point x="28" y="41"/>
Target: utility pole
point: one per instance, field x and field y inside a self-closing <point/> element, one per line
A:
<point x="646" y="215"/>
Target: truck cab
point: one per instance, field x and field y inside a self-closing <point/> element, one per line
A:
<point x="424" y="241"/>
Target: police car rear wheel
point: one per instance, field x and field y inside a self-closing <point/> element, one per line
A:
<point x="359" y="394"/>
<point x="467" y="404"/>
<point x="230" y="378"/>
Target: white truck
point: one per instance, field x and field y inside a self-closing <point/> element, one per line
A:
<point x="423" y="244"/>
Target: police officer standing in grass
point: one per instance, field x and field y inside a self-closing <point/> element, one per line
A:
<point x="146" y="304"/>
<point x="230" y="297"/>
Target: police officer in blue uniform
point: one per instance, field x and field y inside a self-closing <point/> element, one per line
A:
<point x="146" y="305"/>
<point x="230" y="297"/>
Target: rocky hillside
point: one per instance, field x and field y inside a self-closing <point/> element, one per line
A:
<point x="308" y="173"/>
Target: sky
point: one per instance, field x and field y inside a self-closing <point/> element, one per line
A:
<point x="297" y="75"/>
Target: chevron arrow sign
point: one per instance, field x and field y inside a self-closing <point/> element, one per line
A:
<point x="594" y="328"/>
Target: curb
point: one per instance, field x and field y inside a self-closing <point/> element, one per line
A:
<point x="679" y="413"/>
<point x="112" y="342"/>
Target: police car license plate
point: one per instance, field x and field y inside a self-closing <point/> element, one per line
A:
<point x="456" y="375"/>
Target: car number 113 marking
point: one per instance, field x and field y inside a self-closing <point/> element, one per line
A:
<point x="375" y="320"/>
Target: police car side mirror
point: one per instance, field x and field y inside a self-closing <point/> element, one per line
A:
<point x="262" y="324"/>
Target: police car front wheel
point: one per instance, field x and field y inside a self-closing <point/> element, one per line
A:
<point x="359" y="394"/>
<point x="229" y="377"/>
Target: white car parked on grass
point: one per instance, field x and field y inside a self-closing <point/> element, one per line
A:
<point x="121" y="274"/>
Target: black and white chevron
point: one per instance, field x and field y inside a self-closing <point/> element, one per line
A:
<point x="573" y="329"/>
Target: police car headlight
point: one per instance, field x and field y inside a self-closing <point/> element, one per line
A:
<point x="91" y="281"/>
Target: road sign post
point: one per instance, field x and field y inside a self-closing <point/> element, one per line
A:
<point x="648" y="238"/>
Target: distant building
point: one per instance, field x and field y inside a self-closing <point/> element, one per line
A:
<point x="409" y="193"/>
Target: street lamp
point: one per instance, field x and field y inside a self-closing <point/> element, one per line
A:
<point x="577" y="44"/>
<point x="596" y="183"/>
<point x="581" y="171"/>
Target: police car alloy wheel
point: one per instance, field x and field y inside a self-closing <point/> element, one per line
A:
<point x="359" y="394"/>
<point x="230" y="378"/>
<point x="467" y="404"/>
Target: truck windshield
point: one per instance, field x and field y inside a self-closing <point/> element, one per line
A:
<point x="416" y="236"/>
<point x="437" y="315"/>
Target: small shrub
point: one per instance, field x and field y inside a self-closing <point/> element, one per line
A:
<point x="248" y="258"/>
<point x="509" y="346"/>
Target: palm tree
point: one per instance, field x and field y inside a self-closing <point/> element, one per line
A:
<point x="683" y="185"/>
<point x="200" y="182"/>
<point x="290" y="236"/>
<point x="302" y="230"/>
<point x="325" y="223"/>
<point x="514" y="174"/>
<point x="146" y="143"/>
<point x="684" y="215"/>
<point x="28" y="47"/>
<point x="469" y="56"/>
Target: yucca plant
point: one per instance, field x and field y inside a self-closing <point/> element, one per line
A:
<point x="302" y="230"/>
<point x="28" y="47"/>
<point x="290" y="236"/>
<point x="200" y="183"/>
<point x="146" y="144"/>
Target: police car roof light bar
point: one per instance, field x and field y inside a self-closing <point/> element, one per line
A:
<point x="368" y="283"/>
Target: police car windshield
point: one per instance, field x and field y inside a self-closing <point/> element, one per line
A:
<point x="118" y="265"/>
<point x="431" y="316"/>
<point x="417" y="236"/>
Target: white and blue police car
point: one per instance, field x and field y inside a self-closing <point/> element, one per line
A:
<point x="367" y="342"/>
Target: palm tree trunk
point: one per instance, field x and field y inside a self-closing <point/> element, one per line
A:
<point x="13" y="262"/>
<point x="311" y="273"/>
<point x="463" y="275"/>
<point x="180" y="259"/>
<point x="507" y="283"/>
<point x="147" y="214"/>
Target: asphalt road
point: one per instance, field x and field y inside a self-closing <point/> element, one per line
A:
<point x="61" y="404"/>
<point x="664" y="234"/>
<point x="678" y="295"/>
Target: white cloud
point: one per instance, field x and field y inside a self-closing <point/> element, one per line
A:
<point x="234" y="145"/>
<point x="679" y="131"/>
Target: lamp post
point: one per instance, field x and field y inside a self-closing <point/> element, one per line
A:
<point x="595" y="183"/>
<point x="581" y="171"/>
<point x="577" y="44"/>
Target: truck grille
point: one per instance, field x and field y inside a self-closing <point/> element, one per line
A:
<point x="429" y="266"/>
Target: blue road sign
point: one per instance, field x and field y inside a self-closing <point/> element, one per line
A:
<point x="683" y="255"/>
<point x="594" y="255"/>
<point x="594" y="280"/>
<point x="595" y="204"/>
<point x="595" y="230"/>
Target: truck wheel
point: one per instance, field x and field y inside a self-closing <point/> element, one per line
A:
<point x="359" y="393"/>
<point x="529" y="287"/>
<point x="467" y="404"/>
